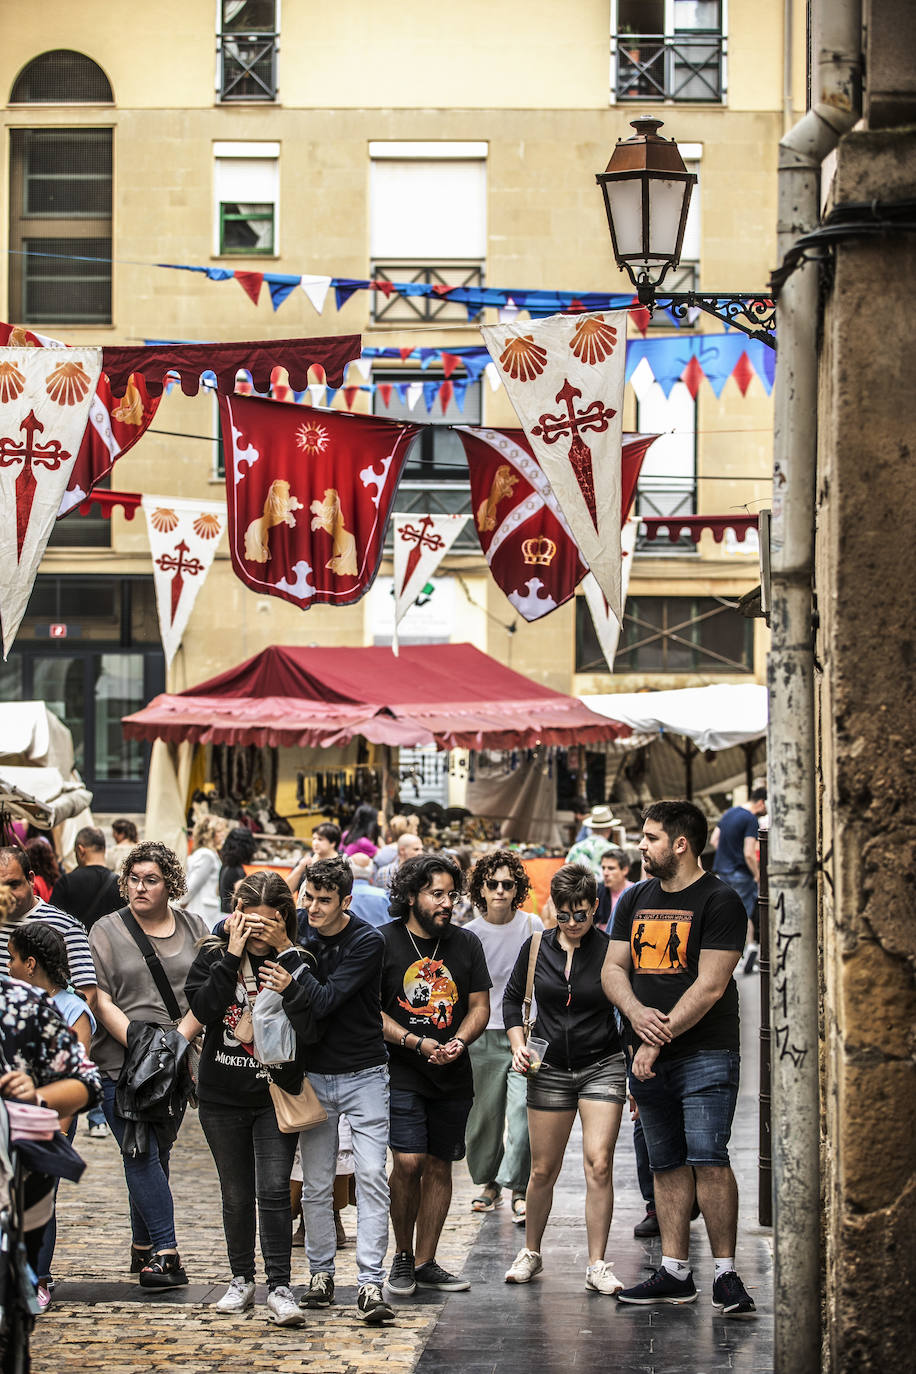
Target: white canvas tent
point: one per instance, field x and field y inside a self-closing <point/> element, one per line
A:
<point x="37" y="779"/>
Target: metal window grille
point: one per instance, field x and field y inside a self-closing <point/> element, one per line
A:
<point x="671" y="634"/>
<point x="395" y="309"/>
<point x="62" y="77"/>
<point x="681" y="68"/>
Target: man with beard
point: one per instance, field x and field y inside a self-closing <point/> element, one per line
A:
<point x="435" y="1002"/>
<point x="682" y="1011"/>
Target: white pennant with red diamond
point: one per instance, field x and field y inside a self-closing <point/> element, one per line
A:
<point x="45" y="395"/>
<point x="183" y="536"/>
<point x="420" y="544"/>
<point x="565" y="378"/>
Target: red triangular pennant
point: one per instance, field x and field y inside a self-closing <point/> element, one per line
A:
<point x="445" y="395"/>
<point x="251" y="283"/>
<point x="350" y="394"/>
<point x="384" y="390"/>
<point x="440" y="290"/>
<point x="386" y="287"/>
<point x="405" y="353"/>
<point x="449" y="363"/>
<point x="692" y="376"/>
<point x="640" y="316"/>
<point x="743" y="373"/>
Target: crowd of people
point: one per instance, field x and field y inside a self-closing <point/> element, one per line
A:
<point x="348" y="998"/>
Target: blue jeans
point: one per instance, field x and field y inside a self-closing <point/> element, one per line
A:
<point x="687" y="1109"/>
<point x="363" y="1098"/>
<point x="742" y="883"/>
<point x="49" y="1234"/>
<point x="152" y="1212"/>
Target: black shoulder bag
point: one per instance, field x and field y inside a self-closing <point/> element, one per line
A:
<point x="169" y="1000"/>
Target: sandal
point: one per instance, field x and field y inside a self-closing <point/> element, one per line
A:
<point x="518" y="1209"/>
<point x="140" y="1255"/>
<point x="489" y="1199"/>
<point x="163" y="1271"/>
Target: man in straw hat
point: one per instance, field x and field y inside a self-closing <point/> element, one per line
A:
<point x="601" y="822"/>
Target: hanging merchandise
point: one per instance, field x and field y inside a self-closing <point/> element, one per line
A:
<point x="524" y="535"/>
<point x="565" y="379"/>
<point x="420" y="544"/>
<point x="607" y="626"/>
<point x="183" y="536"/>
<point x="45" y="398"/>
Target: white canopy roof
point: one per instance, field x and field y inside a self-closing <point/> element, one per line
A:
<point x="715" y="717"/>
<point x="30" y="734"/>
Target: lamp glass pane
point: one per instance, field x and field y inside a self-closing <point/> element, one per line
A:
<point x="625" y="198"/>
<point x="666" y="200"/>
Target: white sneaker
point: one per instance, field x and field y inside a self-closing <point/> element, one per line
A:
<point x="238" y="1297"/>
<point x="526" y="1264"/>
<point x="283" y="1309"/>
<point x="98" y="1130"/>
<point x="600" y="1278"/>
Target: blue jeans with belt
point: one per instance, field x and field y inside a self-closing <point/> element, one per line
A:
<point x="152" y="1212"/>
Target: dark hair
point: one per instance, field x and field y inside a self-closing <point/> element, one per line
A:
<point x="620" y="857"/>
<point x="413" y="875"/>
<point x="581" y="806"/>
<point x="758" y="794"/>
<point x="41" y="942"/>
<point x="238" y="847"/>
<point x="266" y="888"/>
<point x="487" y="866"/>
<point x="43" y="860"/>
<point x="124" y="829"/>
<point x="364" y="825"/>
<point x="680" y="819"/>
<point x="90" y="837"/>
<point x="330" y="875"/>
<point x="573" y="883"/>
<point x="152" y="852"/>
<point x="13" y="853"/>
<point x="328" y="831"/>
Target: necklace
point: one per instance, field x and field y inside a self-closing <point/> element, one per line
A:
<point x="416" y="947"/>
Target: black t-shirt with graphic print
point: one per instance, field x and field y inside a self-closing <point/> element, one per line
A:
<point x="426" y="986"/>
<point x="666" y="932"/>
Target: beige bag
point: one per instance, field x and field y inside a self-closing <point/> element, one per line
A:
<point x="529" y="982"/>
<point x="244" y="1030"/>
<point x="297" y="1111"/>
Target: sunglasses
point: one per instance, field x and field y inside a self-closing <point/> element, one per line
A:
<point x="503" y="884"/>
<point x="580" y="917"/>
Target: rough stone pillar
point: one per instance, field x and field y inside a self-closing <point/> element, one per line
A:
<point x="866" y="587"/>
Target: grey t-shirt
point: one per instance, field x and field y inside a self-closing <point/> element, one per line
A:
<point x="123" y="974"/>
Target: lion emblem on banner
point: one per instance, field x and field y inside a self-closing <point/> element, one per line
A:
<point x="329" y="517"/>
<point x="278" y="510"/>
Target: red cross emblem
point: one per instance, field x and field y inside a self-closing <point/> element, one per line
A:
<point x="181" y="565"/>
<point x="595" y="418"/>
<point x="420" y="538"/>
<point x="30" y="455"/>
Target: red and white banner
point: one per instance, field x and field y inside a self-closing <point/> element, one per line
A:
<point x="45" y="395"/>
<point x="522" y="531"/>
<point x="309" y="494"/>
<point x="420" y="544"/>
<point x="183" y="536"/>
<point x="565" y="378"/>
<point x="607" y="626"/>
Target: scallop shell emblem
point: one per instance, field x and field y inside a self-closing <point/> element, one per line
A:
<point x="12" y="382"/>
<point x="593" y="340"/>
<point x="523" y="359"/>
<point x="163" y="519"/>
<point x="206" y="526"/>
<point x="67" y="383"/>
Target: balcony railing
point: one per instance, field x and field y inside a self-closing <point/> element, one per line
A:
<point x="687" y="67"/>
<point x="396" y="309"/>
<point x="658" y="498"/>
<point x="248" y="66"/>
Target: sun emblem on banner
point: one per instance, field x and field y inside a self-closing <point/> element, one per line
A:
<point x="312" y="438"/>
<point x="68" y="383"/>
<point x="12" y="382"/>
<point x="593" y="340"/>
<point x="163" y="519"/>
<point x="206" y="526"/>
<point x="523" y="359"/>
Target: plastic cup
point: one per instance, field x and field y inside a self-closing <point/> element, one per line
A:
<point x="536" y="1050"/>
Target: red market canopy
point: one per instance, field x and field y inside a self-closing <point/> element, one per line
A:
<point x="450" y="695"/>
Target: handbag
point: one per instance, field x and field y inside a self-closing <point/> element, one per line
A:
<point x="274" y="1039"/>
<point x="297" y="1111"/>
<point x="244" y="1027"/>
<point x="527" y="1020"/>
<point x="164" y="987"/>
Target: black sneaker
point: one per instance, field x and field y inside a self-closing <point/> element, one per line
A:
<point x="432" y="1275"/>
<point x="401" y="1281"/>
<point x="320" y="1292"/>
<point x="661" y="1287"/>
<point x="731" y="1298"/>
<point x="371" y="1307"/>
<point x="648" y="1226"/>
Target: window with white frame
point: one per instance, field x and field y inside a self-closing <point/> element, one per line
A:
<point x="246" y="181"/>
<point x="668" y="51"/>
<point x="668" y="478"/>
<point x="428" y="223"/>
<point x="247" y="47"/>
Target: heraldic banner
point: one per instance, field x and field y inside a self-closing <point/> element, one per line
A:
<point x="309" y="494"/>
<point x="524" y="535"/>
<point x="183" y="536"/>
<point x="565" y="378"/>
<point x="45" y="395"/>
<point x="607" y="626"/>
<point x="420" y="544"/>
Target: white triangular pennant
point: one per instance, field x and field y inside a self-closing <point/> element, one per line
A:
<point x="183" y="536"/>
<point x="420" y="544"/>
<point x="363" y="366"/>
<point x="607" y="626"/>
<point x="45" y="395"/>
<point x="316" y="288"/>
<point x="565" y="379"/>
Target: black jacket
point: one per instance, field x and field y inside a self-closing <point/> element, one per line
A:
<point x="153" y="1087"/>
<point x="574" y="1017"/>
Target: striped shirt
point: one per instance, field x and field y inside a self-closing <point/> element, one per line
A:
<point x="79" y="956"/>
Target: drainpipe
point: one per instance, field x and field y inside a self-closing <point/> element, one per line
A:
<point x="836" y="76"/>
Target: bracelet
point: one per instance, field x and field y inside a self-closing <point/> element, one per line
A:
<point x="403" y="1040"/>
<point x="419" y="1046"/>
<point x="462" y="1043"/>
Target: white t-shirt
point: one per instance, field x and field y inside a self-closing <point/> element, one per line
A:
<point x="501" y="945"/>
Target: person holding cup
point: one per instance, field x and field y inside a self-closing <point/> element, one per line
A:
<point x="581" y="1070"/>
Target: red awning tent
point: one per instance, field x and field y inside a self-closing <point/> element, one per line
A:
<point x="450" y="695"/>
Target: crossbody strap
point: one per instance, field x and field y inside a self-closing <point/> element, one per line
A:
<point x="157" y="972"/>
<point x="529" y="978"/>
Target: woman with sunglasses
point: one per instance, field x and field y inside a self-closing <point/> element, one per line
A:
<point x="582" y="1071"/>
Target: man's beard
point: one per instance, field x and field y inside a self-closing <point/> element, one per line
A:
<point x="429" y="925"/>
<point x="663" y="868"/>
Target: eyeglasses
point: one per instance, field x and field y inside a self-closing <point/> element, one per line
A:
<point x="504" y="884"/>
<point x="580" y="917"/>
<point x="142" y="882"/>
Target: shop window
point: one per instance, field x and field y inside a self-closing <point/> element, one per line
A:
<point x="668" y="51"/>
<point x="246" y="184"/>
<point x="670" y="634"/>
<point x="247" y="47"/>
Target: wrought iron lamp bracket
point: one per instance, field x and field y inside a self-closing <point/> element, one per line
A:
<point x="752" y="315"/>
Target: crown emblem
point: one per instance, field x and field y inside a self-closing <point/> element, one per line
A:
<point x="540" y="551"/>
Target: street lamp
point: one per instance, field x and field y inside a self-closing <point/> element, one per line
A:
<point x="646" y="190"/>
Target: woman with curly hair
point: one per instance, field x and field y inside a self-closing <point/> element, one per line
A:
<point x="151" y="882"/>
<point x="499" y="1155"/>
<point x="204" y="865"/>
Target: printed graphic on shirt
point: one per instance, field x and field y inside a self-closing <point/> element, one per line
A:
<point x="430" y="993"/>
<point x="658" y="941"/>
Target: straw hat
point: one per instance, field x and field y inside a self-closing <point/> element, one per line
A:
<point x="601" y="818"/>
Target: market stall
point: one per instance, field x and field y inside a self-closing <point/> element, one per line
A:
<point x="38" y="783"/>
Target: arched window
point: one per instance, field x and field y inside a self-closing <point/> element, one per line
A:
<point x="62" y="77"/>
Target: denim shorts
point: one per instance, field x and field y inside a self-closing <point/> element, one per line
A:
<point x="427" y="1125"/>
<point x="560" y="1090"/>
<point x="687" y="1109"/>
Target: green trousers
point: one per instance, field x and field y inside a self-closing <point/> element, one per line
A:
<point x="497" y="1129"/>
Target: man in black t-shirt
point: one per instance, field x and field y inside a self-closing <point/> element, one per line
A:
<point x="435" y="1002"/>
<point x="675" y="942"/>
<point x="91" y="890"/>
